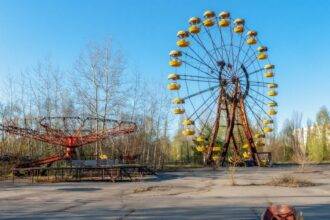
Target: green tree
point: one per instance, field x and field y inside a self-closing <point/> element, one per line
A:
<point x="323" y="125"/>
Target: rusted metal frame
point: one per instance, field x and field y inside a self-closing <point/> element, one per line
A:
<point x="233" y="136"/>
<point x="65" y="141"/>
<point x="230" y="128"/>
<point x="240" y="133"/>
<point x="209" y="159"/>
<point x="248" y="133"/>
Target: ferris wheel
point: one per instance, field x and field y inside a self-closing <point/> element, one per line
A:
<point x="224" y="87"/>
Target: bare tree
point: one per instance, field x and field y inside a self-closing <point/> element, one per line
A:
<point x="97" y="80"/>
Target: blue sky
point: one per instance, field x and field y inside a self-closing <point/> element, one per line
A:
<point x="296" y="32"/>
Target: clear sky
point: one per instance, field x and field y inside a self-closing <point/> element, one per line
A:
<point x="296" y="32"/>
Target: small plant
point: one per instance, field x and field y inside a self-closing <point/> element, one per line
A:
<point x="232" y="168"/>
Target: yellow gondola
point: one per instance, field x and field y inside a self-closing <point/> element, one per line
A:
<point x="268" y="129"/>
<point x="215" y="158"/>
<point x="239" y="21"/>
<point x="174" y="63"/>
<point x="246" y="155"/>
<point x="251" y="41"/>
<point x="272" y="85"/>
<point x="260" y="144"/>
<point x="239" y="29"/>
<point x="262" y="49"/>
<point x="178" y="111"/>
<point x="103" y="157"/>
<point x="272" y="111"/>
<point x="209" y="14"/>
<point x="178" y="101"/>
<point x="269" y="74"/>
<point x="200" y="138"/>
<point x="187" y="122"/>
<point x="182" y="34"/>
<point x="259" y="135"/>
<point x="272" y="92"/>
<point x="262" y="56"/>
<point x="224" y="15"/>
<point x="252" y="33"/>
<point x="175" y="53"/>
<point x="182" y="43"/>
<point x="267" y="122"/>
<point x="269" y="66"/>
<point x="208" y="22"/>
<point x="246" y="146"/>
<point x="194" y="29"/>
<point x="173" y="76"/>
<point x="224" y="22"/>
<point x="173" y="86"/>
<point x="188" y="132"/>
<point x="272" y="104"/>
<point x="200" y="148"/>
<point x="194" y="20"/>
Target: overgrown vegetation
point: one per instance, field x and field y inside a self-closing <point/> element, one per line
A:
<point x="99" y="85"/>
<point x="295" y="142"/>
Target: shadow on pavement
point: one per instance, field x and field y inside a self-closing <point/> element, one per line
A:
<point x="79" y="189"/>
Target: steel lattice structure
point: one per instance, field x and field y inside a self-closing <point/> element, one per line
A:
<point x="225" y="89"/>
<point x="67" y="132"/>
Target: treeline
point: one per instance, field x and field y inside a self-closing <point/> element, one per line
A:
<point x="303" y="143"/>
<point x="295" y="142"/>
<point x="99" y="85"/>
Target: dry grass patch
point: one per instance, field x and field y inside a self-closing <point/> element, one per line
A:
<point x="290" y="181"/>
<point x="151" y="188"/>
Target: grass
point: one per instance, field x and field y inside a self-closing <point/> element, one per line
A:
<point x="151" y="188"/>
<point x="290" y="181"/>
<point x="282" y="181"/>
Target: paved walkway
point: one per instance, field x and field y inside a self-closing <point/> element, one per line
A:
<point x="197" y="194"/>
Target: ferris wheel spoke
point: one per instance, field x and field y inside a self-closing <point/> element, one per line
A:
<point x="256" y="71"/>
<point x="255" y="83"/>
<point x="258" y="100"/>
<point x="198" y="80"/>
<point x="200" y="92"/>
<point x="197" y="68"/>
<point x="208" y="107"/>
<point x="213" y="44"/>
<point x="252" y="62"/>
<point x="262" y="109"/>
<point x="231" y="44"/>
<point x="262" y="94"/>
<point x="246" y="66"/>
<point x="207" y="119"/>
<point x="222" y="42"/>
<point x="245" y="56"/>
<point x="199" y="59"/>
<point x="254" y="55"/>
<point x="257" y="118"/>
<point x="197" y="76"/>
<point x="198" y="40"/>
<point x="241" y="44"/>
<point x="203" y="104"/>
